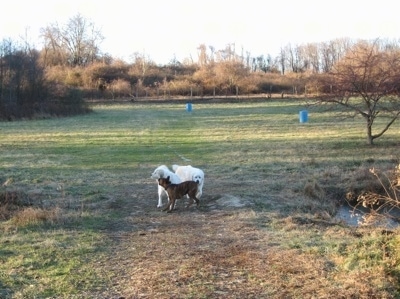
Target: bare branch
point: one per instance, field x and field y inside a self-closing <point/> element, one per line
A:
<point x="366" y="81"/>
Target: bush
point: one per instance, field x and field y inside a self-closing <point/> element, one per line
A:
<point x="382" y="197"/>
<point x="28" y="90"/>
<point x="66" y="101"/>
<point x="120" y="88"/>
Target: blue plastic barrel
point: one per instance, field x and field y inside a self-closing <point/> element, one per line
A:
<point x="303" y="116"/>
<point x="189" y="107"/>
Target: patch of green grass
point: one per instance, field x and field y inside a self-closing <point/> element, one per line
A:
<point x="42" y="262"/>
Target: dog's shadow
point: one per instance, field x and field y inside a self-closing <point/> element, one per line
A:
<point x="214" y="202"/>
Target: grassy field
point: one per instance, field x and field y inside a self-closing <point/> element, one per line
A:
<point x="78" y="215"/>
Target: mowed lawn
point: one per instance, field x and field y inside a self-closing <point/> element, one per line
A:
<point x="78" y="215"/>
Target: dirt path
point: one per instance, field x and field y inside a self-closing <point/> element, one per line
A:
<point x="227" y="248"/>
<point x="221" y="250"/>
<point x="187" y="252"/>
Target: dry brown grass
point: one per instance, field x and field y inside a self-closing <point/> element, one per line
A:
<point x="16" y="206"/>
<point x="315" y="191"/>
<point x="31" y="215"/>
<point x="10" y="203"/>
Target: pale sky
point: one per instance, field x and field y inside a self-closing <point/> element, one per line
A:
<point x="164" y="29"/>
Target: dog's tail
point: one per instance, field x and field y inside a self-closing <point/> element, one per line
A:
<point x="175" y="167"/>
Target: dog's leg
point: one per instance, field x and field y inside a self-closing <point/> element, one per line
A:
<point x="192" y="199"/>
<point x="199" y="190"/>
<point x="160" y="195"/>
<point x="190" y="202"/>
<point x="167" y="208"/>
<point x="170" y="206"/>
<point x="173" y="205"/>
<point x="159" y="202"/>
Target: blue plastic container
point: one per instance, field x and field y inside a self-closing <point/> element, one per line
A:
<point x="303" y="116"/>
<point x="189" y="107"/>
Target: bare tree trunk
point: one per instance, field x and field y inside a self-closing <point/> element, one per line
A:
<point x="370" y="138"/>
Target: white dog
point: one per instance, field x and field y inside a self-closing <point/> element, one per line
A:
<point x="163" y="172"/>
<point x="190" y="173"/>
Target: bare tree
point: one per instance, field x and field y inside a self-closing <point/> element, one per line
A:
<point x="366" y="81"/>
<point x="313" y="57"/>
<point x="21" y="77"/>
<point x="6" y="50"/>
<point x="260" y="64"/>
<point x="207" y="78"/>
<point x="141" y="64"/>
<point x="282" y="60"/>
<point x="332" y="52"/>
<point x="202" y="54"/>
<point x="75" y="43"/>
<point x="53" y="52"/>
<point x="227" y="54"/>
<point x="293" y="58"/>
<point x="212" y="50"/>
<point x="229" y="74"/>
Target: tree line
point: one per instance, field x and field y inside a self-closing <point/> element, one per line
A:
<point x="70" y="67"/>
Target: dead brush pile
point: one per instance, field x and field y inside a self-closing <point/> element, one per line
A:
<point x="10" y="202"/>
<point x="16" y="206"/>
<point x="378" y="191"/>
<point x="320" y="198"/>
<point x="360" y="182"/>
<point x="318" y="201"/>
<point x="375" y="192"/>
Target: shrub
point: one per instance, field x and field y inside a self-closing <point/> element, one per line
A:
<point x="120" y="88"/>
<point x="384" y="198"/>
<point x="16" y="206"/>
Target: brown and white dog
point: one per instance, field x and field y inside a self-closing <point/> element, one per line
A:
<point x="190" y="173"/>
<point x="177" y="191"/>
<point x="162" y="171"/>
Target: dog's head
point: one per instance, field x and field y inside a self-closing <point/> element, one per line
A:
<point x="158" y="172"/>
<point x="164" y="182"/>
<point x="197" y="178"/>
